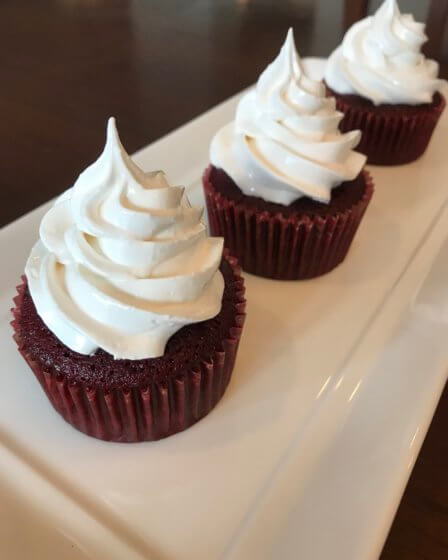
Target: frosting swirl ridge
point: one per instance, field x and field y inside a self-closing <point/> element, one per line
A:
<point x="285" y="142"/>
<point x="123" y="260"/>
<point x="380" y="59"/>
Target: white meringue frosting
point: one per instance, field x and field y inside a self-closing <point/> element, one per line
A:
<point x="285" y="142"/>
<point x="380" y="59"/>
<point x="123" y="260"/>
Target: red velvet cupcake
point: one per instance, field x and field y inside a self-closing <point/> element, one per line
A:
<point x="302" y="240"/>
<point x="136" y="400"/>
<point x="285" y="188"/>
<point x="129" y="316"/>
<point x="385" y="87"/>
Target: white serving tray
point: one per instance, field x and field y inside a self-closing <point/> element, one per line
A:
<point x="309" y="451"/>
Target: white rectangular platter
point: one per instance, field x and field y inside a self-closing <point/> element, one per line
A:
<point x="309" y="451"/>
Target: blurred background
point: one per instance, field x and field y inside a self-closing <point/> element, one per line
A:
<point x="154" y="64"/>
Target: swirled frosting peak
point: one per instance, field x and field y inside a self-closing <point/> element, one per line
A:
<point x="123" y="260"/>
<point x="285" y="142"/>
<point x="380" y="59"/>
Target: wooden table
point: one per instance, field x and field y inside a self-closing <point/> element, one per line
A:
<point x="67" y="65"/>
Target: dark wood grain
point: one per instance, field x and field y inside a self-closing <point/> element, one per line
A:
<point x="67" y="65"/>
<point x="436" y="27"/>
<point x="354" y="10"/>
<point x="420" y="528"/>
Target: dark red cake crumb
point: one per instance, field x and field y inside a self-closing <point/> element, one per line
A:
<point x="402" y="108"/>
<point x="136" y="400"/>
<point x="185" y="349"/>
<point x="343" y="197"/>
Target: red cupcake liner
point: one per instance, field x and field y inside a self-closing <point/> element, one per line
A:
<point x="390" y="135"/>
<point x="141" y="413"/>
<point x="282" y="247"/>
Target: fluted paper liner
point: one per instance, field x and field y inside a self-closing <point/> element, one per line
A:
<point x="283" y="247"/>
<point x="390" y="136"/>
<point x="141" y="413"/>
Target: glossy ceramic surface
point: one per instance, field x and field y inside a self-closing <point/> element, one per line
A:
<point x="310" y="449"/>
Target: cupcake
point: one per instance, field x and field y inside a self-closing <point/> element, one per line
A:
<point x="386" y="87"/>
<point x="285" y="188"/>
<point x="128" y="314"/>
